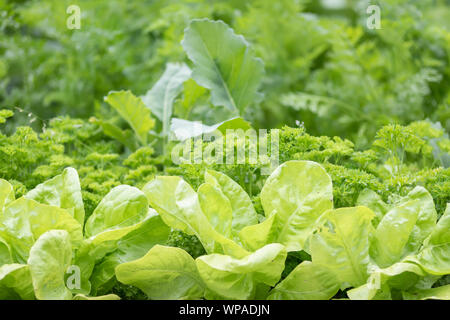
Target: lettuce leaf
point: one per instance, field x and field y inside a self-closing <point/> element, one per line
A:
<point x="49" y="259"/>
<point x="179" y="207"/>
<point x="163" y="273"/>
<point x="6" y="194"/>
<point x="152" y="231"/>
<point x="233" y="278"/>
<point x="24" y="221"/>
<point x="342" y="244"/>
<point x="434" y="256"/>
<point x="15" y="282"/>
<point x="293" y="197"/>
<point x="306" y="282"/>
<point x="63" y="191"/>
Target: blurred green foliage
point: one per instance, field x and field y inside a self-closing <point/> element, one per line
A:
<point x="323" y="65"/>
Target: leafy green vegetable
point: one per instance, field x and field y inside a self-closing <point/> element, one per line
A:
<point x="134" y="111"/>
<point x="306" y="282"/>
<point x="439" y="293"/>
<point x="232" y="73"/>
<point x="293" y="198"/>
<point x="15" y="282"/>
<point x="358" y="208"/>
<point x="49" y="259"/>
<point x="401" y="275"/>
<point x="24" y="220"/>
<point x="62" y="191"/>
<point x="132" y="246"/>
<point x="163" y="273"/>
<point x="179" y="207"/>
<point x="434" y="256"/>
<point x="342" y="244"/>
<point x="160" y="98"/>
<point x="122" y="207"/>
<point x="237" y="278"/>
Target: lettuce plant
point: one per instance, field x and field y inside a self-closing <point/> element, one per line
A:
<point x="375" y="250"/>
<point x="43" y="236"/>
<point x="372" y="251"/>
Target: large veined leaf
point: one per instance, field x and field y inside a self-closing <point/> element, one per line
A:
<point x="223" y="63"/>
<point x="234" y="278"/>
<point x="134" y="111"/>
<point x="402" y="275"/>
<point x="24" y="221"/>
<point x="293" y="198"/>
<point x="186" y="129"/>
<point x="15" y="282"/>
<point x="63" y="191"/>
<point x="163" y="273"/>
<point x="132" y="246"/>
<point x="434" y="257"/>
<point x="306" y="282"/>
<point x="122" y="207"/>
<point x="179" y="207"/>
<point x="49" y="260"/>
<point x="342" y="244"/>
<point x="6" y="193"/>
<point x="160" y="98"/>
